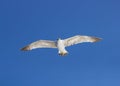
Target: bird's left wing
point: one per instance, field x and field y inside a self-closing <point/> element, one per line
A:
<point x="79" y="39"/>
<point x="40" y="44"/>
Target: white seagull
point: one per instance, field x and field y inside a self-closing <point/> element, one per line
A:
<point x="61" y="43"/>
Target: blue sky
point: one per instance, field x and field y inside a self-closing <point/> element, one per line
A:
<point x="25" y="21"/>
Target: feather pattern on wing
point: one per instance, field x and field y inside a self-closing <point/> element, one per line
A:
<point x="40" y="44"/>
<point x="79" y="39"/>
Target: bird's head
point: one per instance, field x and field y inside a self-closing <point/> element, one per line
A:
<point x="58" y="39"/>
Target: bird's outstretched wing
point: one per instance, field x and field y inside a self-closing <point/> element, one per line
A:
<point x="80" y="39"/>
<point x="40" y="44"/>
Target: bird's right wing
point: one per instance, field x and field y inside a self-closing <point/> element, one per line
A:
<point x="40" y="44"/>
<point x="79" y="39"/>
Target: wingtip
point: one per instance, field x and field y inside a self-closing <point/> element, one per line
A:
<point x="97" y="39"/>
<point x="26" y="48"/>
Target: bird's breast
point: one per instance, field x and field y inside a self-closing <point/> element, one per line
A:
<point x="60" y="45"/>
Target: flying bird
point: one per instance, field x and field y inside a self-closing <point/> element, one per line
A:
<point x="60" y="44"/>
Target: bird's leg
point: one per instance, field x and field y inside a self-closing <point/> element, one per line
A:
<point x="63" y="53"/>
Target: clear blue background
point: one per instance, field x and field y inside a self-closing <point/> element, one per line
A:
<point x="25" y="21"/>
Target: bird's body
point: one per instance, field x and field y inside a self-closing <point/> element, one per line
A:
<point x="61" y="47"/>
<point x="60" y="43"/>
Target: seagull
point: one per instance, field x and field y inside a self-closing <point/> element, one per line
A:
<point x="60" y="44"/>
